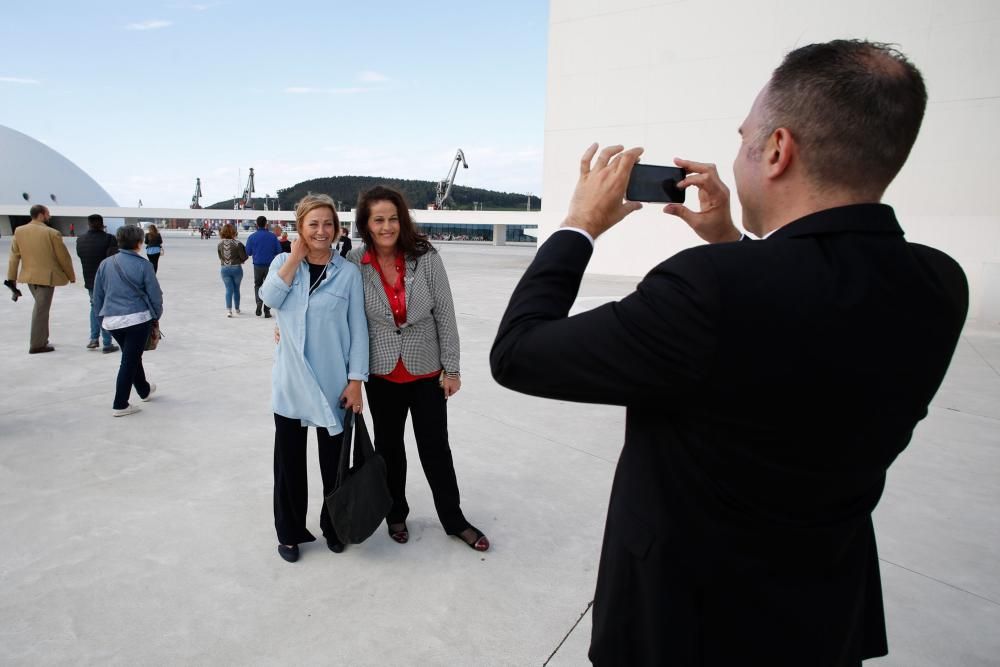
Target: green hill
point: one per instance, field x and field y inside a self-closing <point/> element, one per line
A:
<point x="345" y="189"/>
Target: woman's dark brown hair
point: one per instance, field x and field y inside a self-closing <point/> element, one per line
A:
<point x="410" y="241"/>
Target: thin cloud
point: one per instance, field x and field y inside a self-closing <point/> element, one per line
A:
<point x="306" y="90"/>
<point x="372" y="77"/>
<point x="197" y="7"/>
<point x="18" y="79"/>
<point x="149" y="25"/>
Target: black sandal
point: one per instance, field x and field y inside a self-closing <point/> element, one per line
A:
<point x="401" y="536"/>
<point x="481" y="543"/>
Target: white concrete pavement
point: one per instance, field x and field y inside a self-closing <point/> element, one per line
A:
<point x="149" y="539"/>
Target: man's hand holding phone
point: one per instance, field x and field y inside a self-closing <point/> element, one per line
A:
<point x="598" y="202"/>
<point x="713" y="222"/>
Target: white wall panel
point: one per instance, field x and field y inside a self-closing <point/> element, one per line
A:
<point x="679" y="77"/>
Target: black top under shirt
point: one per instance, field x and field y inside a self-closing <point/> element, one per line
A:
<point x="315" y="273"/>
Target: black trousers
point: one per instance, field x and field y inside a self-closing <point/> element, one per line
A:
<point x="424" y="401"/>
<point x="132" y="341"/>
<point x="291" y="483"/>
<point x="259" y="274"/>
<point x="154" y="259"/>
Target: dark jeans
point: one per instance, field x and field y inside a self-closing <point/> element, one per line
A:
<point x="132" y="340"/>
<point x="154" y="259"/>
<point x="424" y="401"/>
<point x="259" y="273"/>
<point x="291" y="483"/>
<point x="95" y="323"/>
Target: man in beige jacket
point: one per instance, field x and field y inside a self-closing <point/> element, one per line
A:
<point x="45" y="264"/>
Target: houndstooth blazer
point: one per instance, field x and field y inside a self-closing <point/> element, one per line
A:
<point x="428" y="341"/>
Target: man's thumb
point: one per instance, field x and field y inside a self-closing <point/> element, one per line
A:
<point x="681" y="211"/>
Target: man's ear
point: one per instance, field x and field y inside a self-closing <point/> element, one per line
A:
<point x="780" y="152"/>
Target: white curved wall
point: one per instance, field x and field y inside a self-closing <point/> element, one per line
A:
<point x="29" y="166"/>
<point x="679" y="77"/>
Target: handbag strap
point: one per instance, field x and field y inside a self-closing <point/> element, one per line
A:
<point x="145" y="297"/>
<point x="356" y="430"/>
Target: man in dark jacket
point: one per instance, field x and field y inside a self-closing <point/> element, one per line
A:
<point x="263" y="246"/>
<point x="344" y="242"/>
<point x="92" y="248"/>
<point x="768" y="384"/>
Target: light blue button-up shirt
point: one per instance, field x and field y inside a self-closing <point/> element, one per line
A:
<point x="324" y="341"/>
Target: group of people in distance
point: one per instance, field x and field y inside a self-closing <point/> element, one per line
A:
<point x="263" y="246"/>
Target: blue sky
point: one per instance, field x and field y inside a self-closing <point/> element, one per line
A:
<point x="146" y="96"/>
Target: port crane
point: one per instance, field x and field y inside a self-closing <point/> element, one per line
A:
<point x="247" y="200"/>
<point x="444" y="187"/>
<point x="196" y="197"/>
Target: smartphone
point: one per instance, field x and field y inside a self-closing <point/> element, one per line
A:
<point x="653" y="183"/>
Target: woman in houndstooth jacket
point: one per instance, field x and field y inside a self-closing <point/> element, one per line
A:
<point x="414" y="356"/>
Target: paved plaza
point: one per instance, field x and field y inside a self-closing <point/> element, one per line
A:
<point x="149" y="540"/>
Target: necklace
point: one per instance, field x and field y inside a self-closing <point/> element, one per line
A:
<point x="322" y="275"/>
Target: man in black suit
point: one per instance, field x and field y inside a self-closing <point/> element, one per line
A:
<point x="768" y="384"/>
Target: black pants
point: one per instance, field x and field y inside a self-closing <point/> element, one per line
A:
<point x="259" y="274"/>
<point x="132" y="341"/>
<point x="291" y="483"/>
<point x="424" y="400"/>
<point x="154" y="259"/>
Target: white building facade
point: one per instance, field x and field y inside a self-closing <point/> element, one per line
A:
<point x="679" y="77"/>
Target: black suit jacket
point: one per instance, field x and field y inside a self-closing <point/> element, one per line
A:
<point x="769" y="385"/>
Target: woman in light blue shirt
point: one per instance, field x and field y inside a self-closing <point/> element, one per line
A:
<point x="320" y="363"/>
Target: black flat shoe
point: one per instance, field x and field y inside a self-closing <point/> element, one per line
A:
<point x="289" y="553"/>
<point x="480" y="543"/>
<point x="400" y="535"/>
<point x="335" y="546"/>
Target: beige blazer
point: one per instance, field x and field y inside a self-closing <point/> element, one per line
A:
<point x="42" y="256"/>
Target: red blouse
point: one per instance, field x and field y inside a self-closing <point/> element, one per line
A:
<point x="396" y="294"/>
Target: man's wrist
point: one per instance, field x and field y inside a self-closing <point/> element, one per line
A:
<point x="582" y="224"/>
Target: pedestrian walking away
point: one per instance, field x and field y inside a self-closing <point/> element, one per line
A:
<point x="263" y="247"/>
<point x="128" y="299"/>
<point x="39" y="258"/>
<point x="92" y="248"/>
<point x="232" y="254"/>
<point x="154" y="246"/>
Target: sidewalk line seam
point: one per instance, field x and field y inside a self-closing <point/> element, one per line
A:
<point x="980" y="355"/>
<point x="945" y="583"/>
<point x="566" y="636"/>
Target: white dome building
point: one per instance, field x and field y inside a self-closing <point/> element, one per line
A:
<point x="32" y="173"/>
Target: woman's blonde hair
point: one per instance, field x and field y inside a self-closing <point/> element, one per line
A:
<point x="311" y="203"/>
